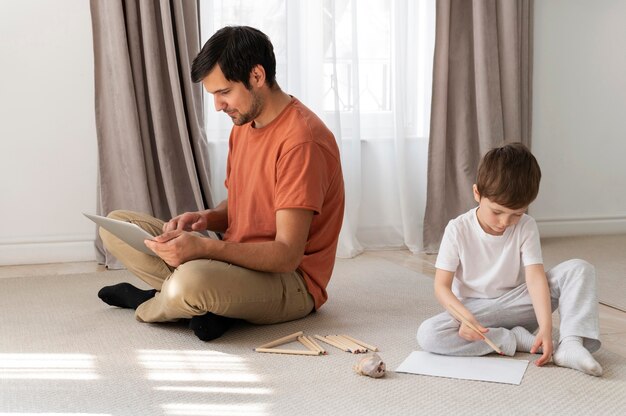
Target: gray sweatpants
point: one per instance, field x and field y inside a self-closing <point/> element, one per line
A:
<point x="572" y="290"/>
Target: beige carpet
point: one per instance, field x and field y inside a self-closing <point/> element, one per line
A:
<point x="62" y="351"/>
<point x="605" y="252"/>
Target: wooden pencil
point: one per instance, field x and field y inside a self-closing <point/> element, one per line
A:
<point x="333" y="343"/>
<point x="282" y="340"/>
<point x="461" y="318"/>
<point x="318" y="346"/>
<point x="350" y="348"/>
<point x="304" y="341"/>
<point x="285" y="351"/>
<point x="356" y="348"/>
<point x="369" y="347"/>
<point x="312" y="345"/>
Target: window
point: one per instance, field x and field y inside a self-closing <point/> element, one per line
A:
<point x="364" y="66"/>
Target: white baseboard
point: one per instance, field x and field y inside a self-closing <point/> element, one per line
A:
<point x="15" y="253"/>
<point x="568" y="227"/>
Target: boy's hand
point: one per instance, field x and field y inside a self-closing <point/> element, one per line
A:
<point x="543" y="340"/>
<point x="539" y="291"/>
<point x="468" y="334"/>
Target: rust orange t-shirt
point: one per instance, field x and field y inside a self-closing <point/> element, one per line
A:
<point x="292" y="162"/>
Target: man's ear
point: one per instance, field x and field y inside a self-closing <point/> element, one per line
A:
<point x="476" y="193"/>
<point x="257" y="76"/>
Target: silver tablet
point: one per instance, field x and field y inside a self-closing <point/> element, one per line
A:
<point x="128" y="232"/>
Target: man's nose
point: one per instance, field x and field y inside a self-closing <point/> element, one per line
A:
<point x="219" y="104"/>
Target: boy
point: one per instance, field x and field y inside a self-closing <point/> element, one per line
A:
<point x="479" y="274"/>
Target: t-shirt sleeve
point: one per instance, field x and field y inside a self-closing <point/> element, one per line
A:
<point x="448" y="257"/>
<point x="230" y="151"/>
<point x="531" y="245"/>
<point x="302" y="178"/>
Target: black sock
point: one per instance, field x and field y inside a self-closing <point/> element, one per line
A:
<point x="209" y="326"/>
<point x="125" y="295"/>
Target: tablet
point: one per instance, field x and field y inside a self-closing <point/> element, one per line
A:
<point x="128" y="232"/>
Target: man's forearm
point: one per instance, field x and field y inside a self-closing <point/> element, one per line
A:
<point x="283" y="254"/>
<point x="270" y="256"/>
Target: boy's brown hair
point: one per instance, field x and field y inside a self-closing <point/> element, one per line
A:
<point x="509" y="175"/>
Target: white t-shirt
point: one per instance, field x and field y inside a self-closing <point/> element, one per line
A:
<point x="485" y="265"/>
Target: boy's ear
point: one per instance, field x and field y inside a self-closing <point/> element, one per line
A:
<point x="476" y="193"/>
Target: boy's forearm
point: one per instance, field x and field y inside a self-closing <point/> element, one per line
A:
<point x="539" y="291"/>
<point x="443" y="287"/>
<point x="445" y="296"/>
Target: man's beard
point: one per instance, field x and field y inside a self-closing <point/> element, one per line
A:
<point x="252" y="113"/>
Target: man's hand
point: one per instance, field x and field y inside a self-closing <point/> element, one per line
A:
<point x="176" y="247"/>
<point x="189" y="221"/>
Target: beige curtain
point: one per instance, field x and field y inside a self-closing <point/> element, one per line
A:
<point x="482" y="80"/>
<point x="151" y="143"/>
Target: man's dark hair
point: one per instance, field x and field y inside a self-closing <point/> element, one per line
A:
<point x="509" y="175"/>
<point x="237" y="50"/>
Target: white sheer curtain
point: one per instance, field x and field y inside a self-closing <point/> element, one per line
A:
<point x="365" y="67"/>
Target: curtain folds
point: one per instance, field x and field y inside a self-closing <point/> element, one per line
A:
<point x="482" y="80"/>
<point x="152" y="148"/>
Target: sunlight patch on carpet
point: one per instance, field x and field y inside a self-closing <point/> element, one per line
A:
<point x="192" y="365"/>
<point x="48" y="366"/>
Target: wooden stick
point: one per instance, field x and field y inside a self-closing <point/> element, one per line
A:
<point x="312" y="345"/>
<point x="352" y="347"/>
<point x="282" y="340"/>
<point x="284" y="351"/>
<point x="356" y="348"/>
<point x="304" y="341"/>
<point x="333" y="343"/>
<point x="340" y="341"/>
<point x="356" y="341"/>
<point x="460" y="317"/>
<point x="316" y="345"/>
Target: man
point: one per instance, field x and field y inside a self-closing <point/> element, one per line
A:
<point x="281" y="219"/>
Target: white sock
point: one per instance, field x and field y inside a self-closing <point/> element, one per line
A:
<point x="524" y="339"/>
<point x="572" y="354"/>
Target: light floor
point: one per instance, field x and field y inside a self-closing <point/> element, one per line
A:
<point x="612" y="321"/>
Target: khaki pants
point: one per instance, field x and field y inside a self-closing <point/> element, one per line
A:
<point x="201" y="286"/>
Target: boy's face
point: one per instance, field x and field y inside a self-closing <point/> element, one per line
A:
<point x="495" y="218"/>
<point x="242" y="105"/>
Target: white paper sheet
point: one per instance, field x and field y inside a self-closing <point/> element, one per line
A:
<point x="494" y="369"/>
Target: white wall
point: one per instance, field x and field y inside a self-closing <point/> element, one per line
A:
<point x="48" y="141"/>
<point x="579" y="116"/>
<point x="47" y="132"/>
